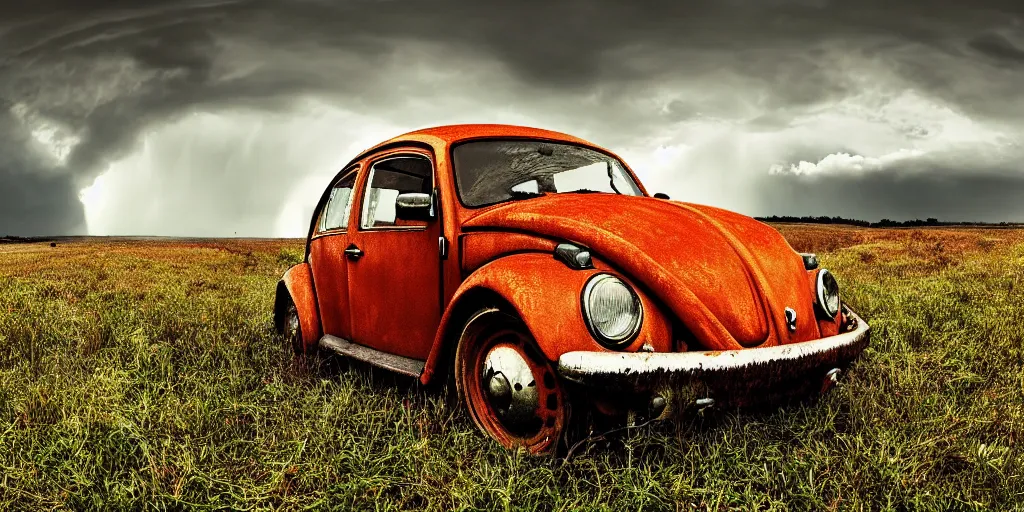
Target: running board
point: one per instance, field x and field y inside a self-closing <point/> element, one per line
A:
<point x="399" y="364"/>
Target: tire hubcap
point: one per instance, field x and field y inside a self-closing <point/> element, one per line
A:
<point x="511" y="389"/>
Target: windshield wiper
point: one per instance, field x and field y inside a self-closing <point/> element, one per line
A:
<point x="611" y="179"/>
<point x="582" y="191"/>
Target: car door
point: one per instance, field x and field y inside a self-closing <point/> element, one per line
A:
<point x="394" y="270"/>
<point x="327" y="259"/>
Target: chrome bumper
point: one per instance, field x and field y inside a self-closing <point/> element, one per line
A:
<point x="728" y="376"/>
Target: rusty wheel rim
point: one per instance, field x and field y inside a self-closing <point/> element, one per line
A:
<point x="510" y="389"/>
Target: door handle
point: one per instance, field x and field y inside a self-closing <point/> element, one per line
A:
<point x="353" y="252"/>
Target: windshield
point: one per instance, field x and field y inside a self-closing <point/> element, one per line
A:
<point x="493" y="171"/>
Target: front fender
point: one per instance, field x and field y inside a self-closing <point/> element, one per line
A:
<point x="545" y="294"/>
<point x="298" y="283"/>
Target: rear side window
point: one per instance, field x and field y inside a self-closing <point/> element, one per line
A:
<point x="336" y="212"/>
<point x="388" y="179"/>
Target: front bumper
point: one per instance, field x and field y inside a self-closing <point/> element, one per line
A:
<point x="729" y="377"/>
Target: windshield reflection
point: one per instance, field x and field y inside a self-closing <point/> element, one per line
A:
<point x="494" y="171"/>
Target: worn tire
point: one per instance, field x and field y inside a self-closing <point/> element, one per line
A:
<point x="291" y="328"/>
<point x="510" y="389"/>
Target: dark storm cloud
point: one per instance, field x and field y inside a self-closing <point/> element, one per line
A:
<point x="34" y="199"/>
<point x="998" y="47"/>
<point x="105" y="72"/>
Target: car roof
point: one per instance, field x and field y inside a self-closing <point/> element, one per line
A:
<point x="449" y="134"/>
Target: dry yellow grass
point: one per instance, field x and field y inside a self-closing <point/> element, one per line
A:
<point x="144" y="374"/>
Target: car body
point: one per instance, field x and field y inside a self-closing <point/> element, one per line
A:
<point x="533" y="268"/>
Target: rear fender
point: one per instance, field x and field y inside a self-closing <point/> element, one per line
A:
<point x="545" y="294"/>
<point x="297" y="283"/>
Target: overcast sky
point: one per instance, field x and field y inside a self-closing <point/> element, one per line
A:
<point x="229" y="117"/>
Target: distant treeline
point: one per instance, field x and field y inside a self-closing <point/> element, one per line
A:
<point x="884" y="223"/>
<point x="13" y="239"/>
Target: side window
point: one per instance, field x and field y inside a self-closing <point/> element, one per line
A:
<point x="389" y="178"/>
<point x="335" y="214"/>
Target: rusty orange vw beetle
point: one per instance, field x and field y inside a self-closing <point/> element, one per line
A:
<point x="533" y="269"/>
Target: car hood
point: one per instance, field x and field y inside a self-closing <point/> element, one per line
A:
<point x="727" y="277"/>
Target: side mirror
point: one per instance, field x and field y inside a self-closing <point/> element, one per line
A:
<point x="661" y="195"/>
<point x="414" y="206"/>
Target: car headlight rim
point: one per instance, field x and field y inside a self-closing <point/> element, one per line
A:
<point x="828" y="301"/>
<point x="629" y="330"/>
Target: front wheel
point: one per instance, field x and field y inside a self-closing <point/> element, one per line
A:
<point x="509" y="387"/>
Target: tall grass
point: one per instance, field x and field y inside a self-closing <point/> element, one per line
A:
<point x="146" y="375"/>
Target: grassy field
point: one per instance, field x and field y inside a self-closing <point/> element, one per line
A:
<point x="145" y="374"/>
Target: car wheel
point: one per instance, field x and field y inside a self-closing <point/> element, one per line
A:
<point x="510" y="389"/>
<point x="291" y="328"/>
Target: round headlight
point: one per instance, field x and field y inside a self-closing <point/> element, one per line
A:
<point x="611" y="310"/>
<point x="828" y="293"/>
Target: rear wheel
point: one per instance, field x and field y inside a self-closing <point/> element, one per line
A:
<point x="509" y="387"/>
<point x="291" y="329"/>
